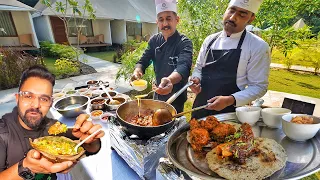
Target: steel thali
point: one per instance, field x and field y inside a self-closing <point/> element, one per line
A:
<point x="303" y="157"/>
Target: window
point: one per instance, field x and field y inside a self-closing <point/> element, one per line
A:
<point x="134" y="28"/>
<point x="7" y="28"/>
<point x="86" y="28"/>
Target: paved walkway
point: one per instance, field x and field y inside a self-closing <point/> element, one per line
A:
<point x="300" y="68"/>
<point x="106" y="71"/>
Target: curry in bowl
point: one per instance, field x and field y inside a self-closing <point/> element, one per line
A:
<point x="57" y="148"/>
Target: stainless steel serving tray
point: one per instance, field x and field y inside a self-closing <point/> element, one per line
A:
<point x="303" y="157"/>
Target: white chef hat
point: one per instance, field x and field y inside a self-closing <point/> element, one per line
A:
<point x="250" y="5"/>
<point x="166" y="5"/>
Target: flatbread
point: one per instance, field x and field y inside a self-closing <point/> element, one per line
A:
<point x="254" y="168"/>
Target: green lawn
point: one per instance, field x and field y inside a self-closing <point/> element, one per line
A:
<point x="306" y="84"/>
<point x="105" y="55"/>
<point x="278" y="57"/>
<point x="49" y="62"/>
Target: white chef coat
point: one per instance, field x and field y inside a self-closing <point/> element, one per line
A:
<point x="253" y="68"/>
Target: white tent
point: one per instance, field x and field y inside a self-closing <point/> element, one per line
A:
<point x="252" y="28"/>
<point x="128" y="10"/>
<point x="14" y="5"/>
<point x="299" y="24"/>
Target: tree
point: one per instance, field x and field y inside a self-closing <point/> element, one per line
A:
<point x="79" y="13"/>
<point x="199" y="19"/>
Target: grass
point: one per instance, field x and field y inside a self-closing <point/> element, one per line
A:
<point x="49" y="63"/>
<point x="105" y="55"/>
<point x="306" y="84"/>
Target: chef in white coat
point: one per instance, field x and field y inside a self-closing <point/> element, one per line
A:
<point x="232" y="68"/>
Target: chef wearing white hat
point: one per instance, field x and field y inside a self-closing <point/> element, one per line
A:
<point x="232" y="68"/>
<point x="171" y="55"/>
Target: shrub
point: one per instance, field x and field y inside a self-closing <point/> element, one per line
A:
<point x="58" y="50"/>
<point x="12" y="64"/>
<point x="128" y="46"/>
<point x="65" y="68"/>
<point x="129" y="60"/>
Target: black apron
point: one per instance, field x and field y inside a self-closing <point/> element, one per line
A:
<point x="164" y="65"/>
<point x="219" y="77"/>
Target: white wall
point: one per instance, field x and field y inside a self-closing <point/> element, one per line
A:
<point x="34" y="37"/>
<point x="24" y="25"/>
<point x="102" y="26"/>
<point x="43" y="28"/>
<point x="99" y="26"/>
<point x="149" y="28"/>
<point x="118" y="31"/>
<point x="9" y="41"/>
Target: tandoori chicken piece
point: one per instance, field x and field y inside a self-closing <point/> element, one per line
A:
<point x="221" y="131"/>
<point x="210" y="123"/>
<point x="199" y="137"/>
<point x="194" y="124"/>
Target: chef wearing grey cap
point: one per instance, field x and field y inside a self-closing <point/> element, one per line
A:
<point x="232" y="68"/>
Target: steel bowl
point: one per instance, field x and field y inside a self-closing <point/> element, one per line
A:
<point x="71" y="106"/>
<point x="115" y="107"/>
<point x="112" y="94"/>
<point x="143" y="132"/>
<point x="98" y="106"/>
<point x="92" y="83"/>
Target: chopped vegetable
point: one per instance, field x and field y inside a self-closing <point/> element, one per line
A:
<point x="57" y="128"/>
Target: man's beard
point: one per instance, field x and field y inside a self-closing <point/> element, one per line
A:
<point x="32" y="122"/>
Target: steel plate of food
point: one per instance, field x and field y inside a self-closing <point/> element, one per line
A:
<point x="212" y="148"/>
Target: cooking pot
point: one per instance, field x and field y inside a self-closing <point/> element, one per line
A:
<point x="130" y="108"/>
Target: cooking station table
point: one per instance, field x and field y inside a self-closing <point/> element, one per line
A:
<point x="303" y="157"/>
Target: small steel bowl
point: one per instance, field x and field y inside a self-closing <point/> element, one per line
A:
<point x="98" y="106"/>
<point x="71" y="106"/>
<point x="112" y="94"/>
<point x="115" y="107"/>
<point x="92" y="83"/>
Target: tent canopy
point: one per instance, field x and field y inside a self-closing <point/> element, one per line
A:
<point x="14" y="5"/>
<point x="299" y="24"/>
<point x="252" y="28"/>
<point x="128" y="10"/>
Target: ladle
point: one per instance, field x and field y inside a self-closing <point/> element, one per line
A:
<point x="83" y="141"/>
<point x="112" y="101"/>
<point x="144" y="95"/>
<point x="162" y="116"/>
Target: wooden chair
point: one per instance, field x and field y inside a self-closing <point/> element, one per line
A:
<point x="83" y="39"/>
<point x="99" y="38"/>
<point x="25" y="39"/>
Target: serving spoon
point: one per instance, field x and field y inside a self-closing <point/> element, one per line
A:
<point x="112" y="101"/>
<point x="90" y="136"/>
<point x="144" y="95"/>
<point x="162" y="115"/>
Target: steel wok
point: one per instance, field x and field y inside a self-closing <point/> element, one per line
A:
<point x="131" y="108"/>
<point x="144" y="132"/>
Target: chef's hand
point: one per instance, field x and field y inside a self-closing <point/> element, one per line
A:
<point x="83" y="128"/>
<point x="196" y="86"/>
<point x="137" y="74"/>
<point x="165" y="87"/>
<point x="220" y="102"/>
<point x="39" y="164"/>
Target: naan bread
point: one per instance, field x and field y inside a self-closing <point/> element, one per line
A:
<point x="256" y="167"/>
